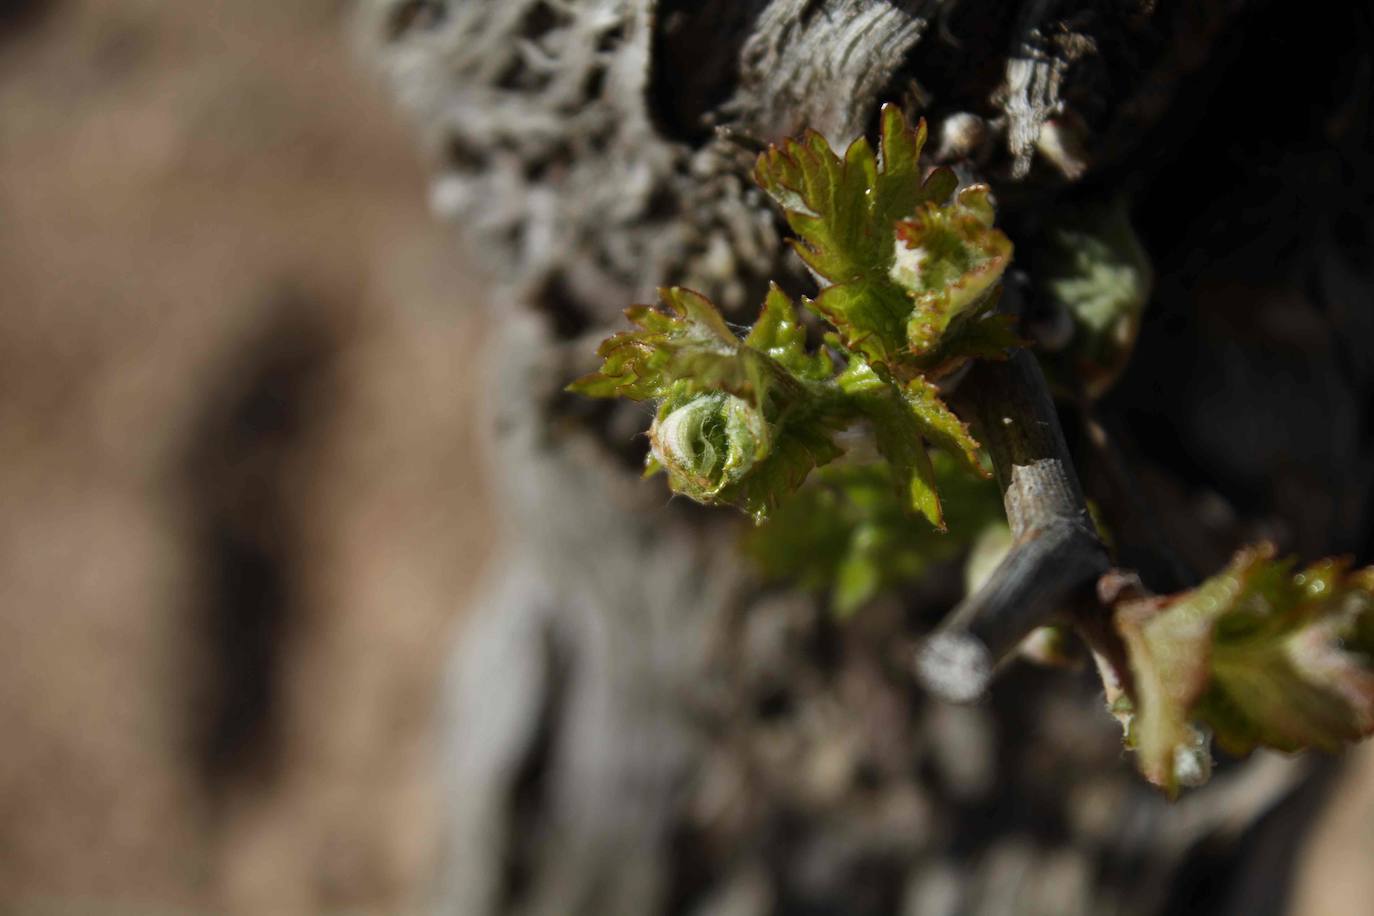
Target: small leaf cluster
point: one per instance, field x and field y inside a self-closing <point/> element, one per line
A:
<point x="909" y="270"/>
<point x="1258" y="655"/>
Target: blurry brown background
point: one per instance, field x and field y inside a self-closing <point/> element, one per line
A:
<point x="236" y="466"/>
<point x="240" y="502"/>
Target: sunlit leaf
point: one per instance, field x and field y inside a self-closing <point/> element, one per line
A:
<point x="901" y="258"/>
<point x="949" y="259"/>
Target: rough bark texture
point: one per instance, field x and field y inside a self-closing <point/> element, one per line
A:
<point x="636" y="726"/>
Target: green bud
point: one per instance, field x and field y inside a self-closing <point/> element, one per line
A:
<point x="708" y="442"/>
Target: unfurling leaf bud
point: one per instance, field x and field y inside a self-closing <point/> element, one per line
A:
<point x="708" y="442"/>
<point x="949" y="259"/>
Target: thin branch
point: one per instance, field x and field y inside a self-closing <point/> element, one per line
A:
<point x="1055" y="553"/>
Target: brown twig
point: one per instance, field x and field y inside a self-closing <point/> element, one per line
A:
<point x="1055" y="552"/>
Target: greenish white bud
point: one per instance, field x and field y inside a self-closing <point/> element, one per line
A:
<point x="708" y="442"/>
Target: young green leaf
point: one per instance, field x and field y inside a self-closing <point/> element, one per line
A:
<point x="778" y="335"/>
<point x="901" y="260"/>
<point x="949" y="260"/>
<point x="904" y="420"/>
<point x="1258" y="655"/>
<point x="687" y="341"/>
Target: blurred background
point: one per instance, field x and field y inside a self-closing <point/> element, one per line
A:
<point x="242" y="504"/>
<point x="239" y="506"/>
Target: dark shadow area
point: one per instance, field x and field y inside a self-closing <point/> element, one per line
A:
<point x="685" y="88"/>
<point x="241" y="471"/>
<point x="1252" y="375"/>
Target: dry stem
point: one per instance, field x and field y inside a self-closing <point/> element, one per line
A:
<point x="1056" y="553"/>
